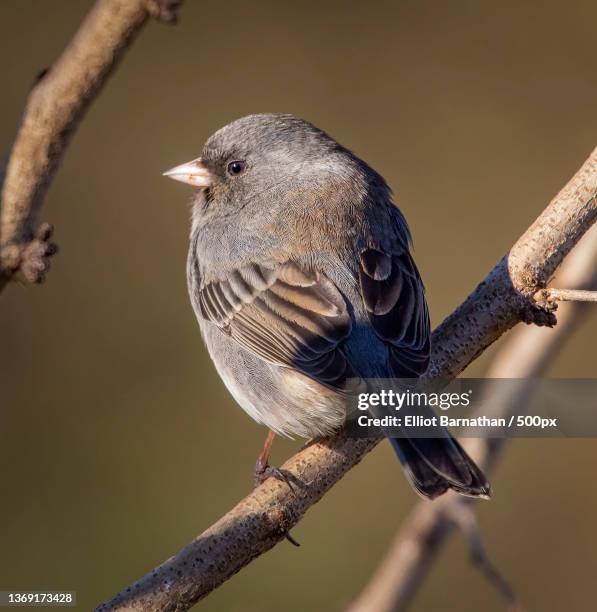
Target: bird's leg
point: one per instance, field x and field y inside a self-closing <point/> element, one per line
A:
<point x="263" y="459"/>
<point x="263" y="470"/>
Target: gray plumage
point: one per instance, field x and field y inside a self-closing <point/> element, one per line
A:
<point x="302" y="281"/>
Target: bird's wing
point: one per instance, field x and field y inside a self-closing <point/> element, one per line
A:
<point x="284" y="314"/>
<point x="394" y="298"/>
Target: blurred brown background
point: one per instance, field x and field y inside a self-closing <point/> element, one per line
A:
<point x="118" y="441"/>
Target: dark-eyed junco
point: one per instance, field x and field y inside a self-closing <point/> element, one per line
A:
<point x="301" y="278"/>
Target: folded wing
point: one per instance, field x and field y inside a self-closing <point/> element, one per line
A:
<point x="286" y="315"/>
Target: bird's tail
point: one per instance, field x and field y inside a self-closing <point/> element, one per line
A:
<point x="434" y="465"/>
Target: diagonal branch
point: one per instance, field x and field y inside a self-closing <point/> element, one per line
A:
<point x="264" y="516"/>
<point x="526" y="355"/>
<point x="56" y="103"/>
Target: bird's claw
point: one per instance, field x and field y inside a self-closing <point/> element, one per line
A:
<point x="263" y="471"/>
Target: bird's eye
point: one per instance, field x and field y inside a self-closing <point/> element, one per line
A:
<point x="236" y="167"/>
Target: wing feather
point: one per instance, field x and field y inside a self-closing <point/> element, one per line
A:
<point x="394" y="298"/>
<point x="286" y="315"/>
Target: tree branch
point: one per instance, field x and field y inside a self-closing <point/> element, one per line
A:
<point x="526" y="355"/>
<point x="565" y="295"/>
<point x="262" y="518"/>
<point x="55" y="105"/>
<point x="462" y="514"/>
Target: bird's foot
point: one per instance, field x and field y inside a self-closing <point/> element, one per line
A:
<point x="263" y="471"/>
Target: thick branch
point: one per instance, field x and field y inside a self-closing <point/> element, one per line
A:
<point x="505" y="296"/>
<point x="262" y="518"/>
<point x="55" y="105"/>
<point x="526" y="355"/>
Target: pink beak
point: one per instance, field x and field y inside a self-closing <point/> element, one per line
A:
<point x="193" y="173"/>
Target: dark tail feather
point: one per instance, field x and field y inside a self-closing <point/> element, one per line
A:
<point x="434" y="465"/>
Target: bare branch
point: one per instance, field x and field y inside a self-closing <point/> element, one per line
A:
<point x="526" y="355"/>
<point x="56" y="103"/>
<point x="463" y="516"/>
<point x="262" y="518"/>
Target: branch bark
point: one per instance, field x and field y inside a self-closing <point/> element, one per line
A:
<point x="55" y="105"/>
<point x="264" y="516"/>
<point x="526" y="355"/>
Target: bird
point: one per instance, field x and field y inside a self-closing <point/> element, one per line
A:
<point x="301" y="276"/>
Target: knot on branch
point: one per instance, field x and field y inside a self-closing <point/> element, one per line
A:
<point x="165" y="11"/>
<point x="539" y="310"/>
<point x="31" y="259"/>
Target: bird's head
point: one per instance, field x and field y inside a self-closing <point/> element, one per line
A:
<point x="263" y="155"/>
